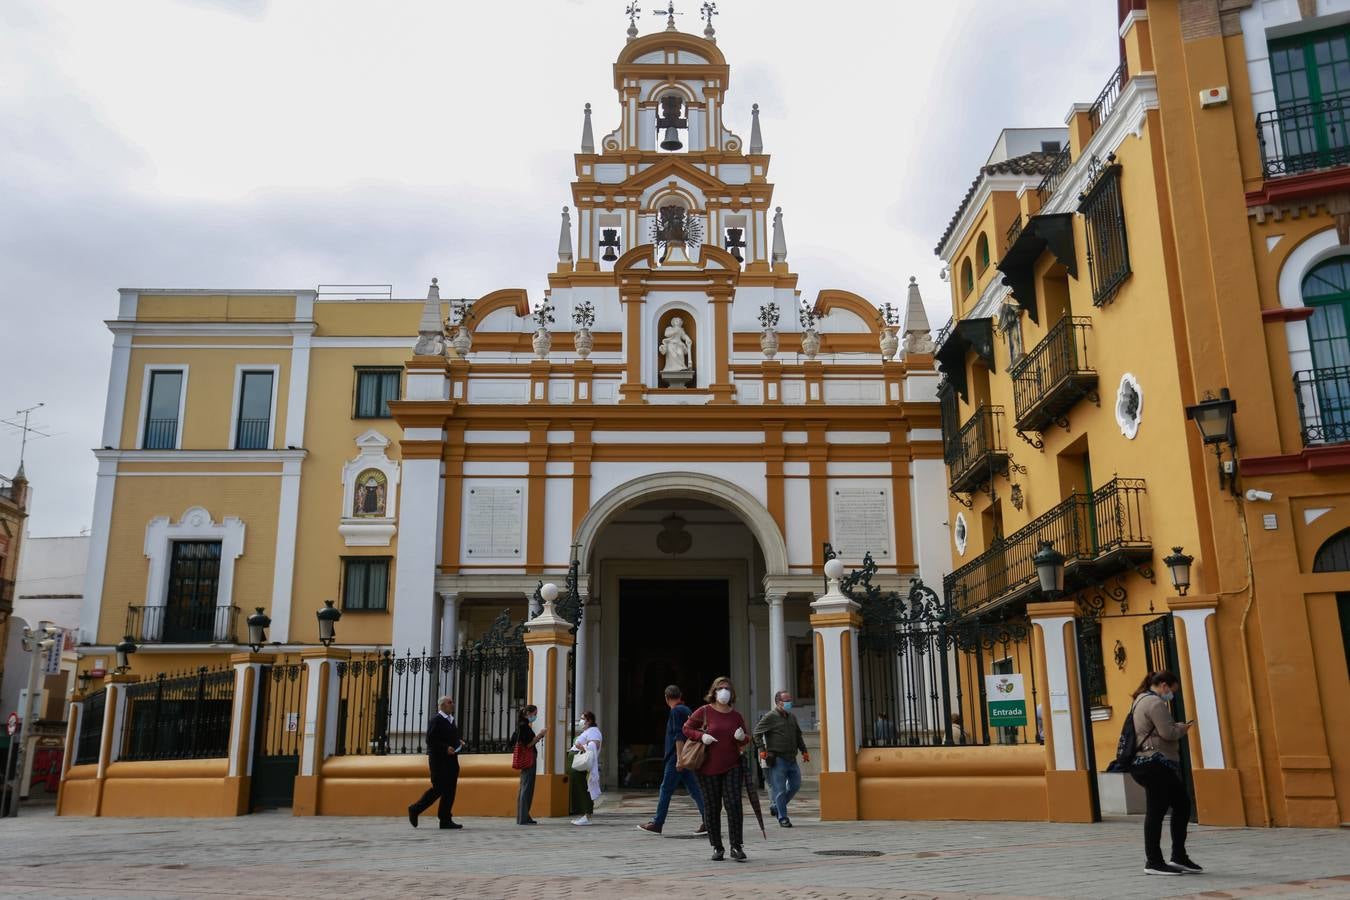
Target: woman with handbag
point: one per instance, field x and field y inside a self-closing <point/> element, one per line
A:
<point x="720" y="731"/>
<point x="587" y="760"/>
<point x="1157" y="768"/>
<point x="523" y="756"/>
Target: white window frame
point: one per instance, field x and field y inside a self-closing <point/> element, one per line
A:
<point x="195" y="524"/>
<point x="145" y="401"/>
<point x="239" y="371"/>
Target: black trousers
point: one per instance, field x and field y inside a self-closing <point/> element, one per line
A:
<point x="723" y="791"/>
<point x="525" y="796"/>
<point x="444" y="779"/>
<point x="1164" y="791"/>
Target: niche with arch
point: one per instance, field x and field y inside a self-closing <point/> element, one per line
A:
<point x="666" y="329"/>
<point x="369" y="494"/>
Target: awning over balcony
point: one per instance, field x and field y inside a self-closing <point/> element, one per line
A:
<point x="1052" y="231"/>
<point x="965" y="335"/>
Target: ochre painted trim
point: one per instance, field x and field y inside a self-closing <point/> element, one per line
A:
<point x="1287" y="314"/>
<point x="1311" y="459"/>
<point x="822" y="702"/>
<point x="1300" y="187"/>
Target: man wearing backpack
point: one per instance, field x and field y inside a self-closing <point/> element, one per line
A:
<point x="1150" y="750"/>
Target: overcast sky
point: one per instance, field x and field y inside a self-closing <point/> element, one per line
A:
<point x="285" y="144"/>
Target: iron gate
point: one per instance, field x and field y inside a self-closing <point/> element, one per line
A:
<point x="277" y="734"/>
<point x="1160" y="651"/>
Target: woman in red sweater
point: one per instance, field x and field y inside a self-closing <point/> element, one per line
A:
<point x="723" y="732"/>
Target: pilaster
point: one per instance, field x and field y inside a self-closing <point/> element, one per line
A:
<point x="319" y="739"/>
<point x="548" y="639"/>
<point x="834" y="622"/>
<point x="1068" y="784"/>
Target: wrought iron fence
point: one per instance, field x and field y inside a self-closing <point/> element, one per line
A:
<point x="183" y="624"/>
<point x="1050" y="183"/>
<point x="924" y="669"/>
<point x="1055" y="366"/>
<point x="89" y="741"/>
<point x="252" y="434"/>
<point x="1105" y="103"/>
<point x="183" y="717"/>
<point x="160" y="434"/>
<point x="1097" y="533"/>
<point x="1300" y="137"/>
<point x="385" y="700"/>
<point x="1323" y="404"/>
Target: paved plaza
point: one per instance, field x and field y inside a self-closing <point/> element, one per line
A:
<point x="275" y="855"/>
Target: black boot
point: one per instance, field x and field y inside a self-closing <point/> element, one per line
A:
<point x="719" y="854"/>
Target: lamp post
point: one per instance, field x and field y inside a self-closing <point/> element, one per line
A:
<point x="124" y="651"/>
<point x="1214" y="418"/>
<point x="328" y="617"/>
<point x="1049" y="570"/>
<point x="1179" y="567"/>
<point x="36" y="642"/>
<point x="258" y="623"/>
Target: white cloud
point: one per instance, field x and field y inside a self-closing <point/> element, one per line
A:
<point x="209" y="143"/>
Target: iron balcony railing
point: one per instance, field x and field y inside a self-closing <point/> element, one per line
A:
<point x="1053" y="375"/>
<point x="1300" y="137"/>
<point x="160" y="434"/>
<point x="1323" y="405"/>
<point x="1100" y="534"/>
<point x="183" y="624"/>
<point x="1014" y="231"/>
<point x="976" y="453"/>
<point x="1105" y="103"/>
<point x="1050" y="183"/>
<point x="252" y="435"/>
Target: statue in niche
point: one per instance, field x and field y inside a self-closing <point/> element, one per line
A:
<point x="1010" y="322"/>
<point x="677" y="353"/>
<point x="369" y="500"/>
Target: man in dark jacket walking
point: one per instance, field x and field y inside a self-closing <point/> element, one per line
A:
<point x="443" y="749"/>
<point x="679" y="713"/>
<point x="780" y="738"/>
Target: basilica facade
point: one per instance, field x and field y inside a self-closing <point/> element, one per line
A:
<point x="670" y="419"/>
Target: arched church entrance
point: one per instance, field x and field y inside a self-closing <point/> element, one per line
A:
<point x="675" y="565"/>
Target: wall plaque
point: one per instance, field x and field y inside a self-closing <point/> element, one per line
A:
<point x="862" y="523"/>
<point x="493" y="522"/>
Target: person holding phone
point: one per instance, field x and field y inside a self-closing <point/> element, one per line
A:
<point x="1157" y="768"/>
<point x="526" y="738"/>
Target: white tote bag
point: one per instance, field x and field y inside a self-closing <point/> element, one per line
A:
<point x="582" y="761"/>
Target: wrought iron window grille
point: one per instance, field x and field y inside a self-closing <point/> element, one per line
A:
<point x="1103" y="210"/>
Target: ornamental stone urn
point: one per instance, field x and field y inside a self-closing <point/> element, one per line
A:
<point x="462" y="341"/>
<point x="583" y="340"/>
<point x="889" y="342"/>
<point x="768" y="342"/>
<point x="543" y="341"/>
<point x="810" y="343"/>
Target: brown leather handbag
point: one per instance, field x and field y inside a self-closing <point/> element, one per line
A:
<point x="691" y="754"/>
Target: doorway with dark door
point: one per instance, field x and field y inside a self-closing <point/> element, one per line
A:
<point x="671" y="631"/>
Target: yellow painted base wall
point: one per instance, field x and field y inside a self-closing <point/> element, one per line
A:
<point x="385" y="785"/>
<point x="79" y="792"/>
<point x="969" y="783"/>
<point x="173" y="788"/>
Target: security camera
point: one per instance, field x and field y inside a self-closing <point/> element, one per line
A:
<point x="1254" y="495"/>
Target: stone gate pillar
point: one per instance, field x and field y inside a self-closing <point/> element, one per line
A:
<point x="834" y="623"/>
<point x="1068" y="785"/>
<point x="318" y="740"/>
<point x="548" y="637"/>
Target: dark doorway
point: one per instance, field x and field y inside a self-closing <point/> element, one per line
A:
<point x="671" y="631"/>
<point x="194" y="580"/>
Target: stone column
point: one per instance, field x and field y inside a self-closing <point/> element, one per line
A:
<point x="449" y="623"/>
<point x="778" y="662"/>
<point x="548" y="637"/>
<point x="834" y="623"/>
<point x="1068" y="785"/>
<point x="319" y="738"/>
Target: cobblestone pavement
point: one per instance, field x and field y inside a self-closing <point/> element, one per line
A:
<point x="275" y="855"/>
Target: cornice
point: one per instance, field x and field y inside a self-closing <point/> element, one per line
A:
<point x="201" y="456"/>
<point x="218" y="329"/>
<point x="975" y="208"/>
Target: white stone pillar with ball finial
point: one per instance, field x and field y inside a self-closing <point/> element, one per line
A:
<point x="835" y="620"/>
<point x="548" y="637"/>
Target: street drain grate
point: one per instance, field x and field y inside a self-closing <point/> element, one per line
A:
<point x="849" y="853"/>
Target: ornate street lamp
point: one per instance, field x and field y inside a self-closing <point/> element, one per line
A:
<point x="258" y="623"/>
<point x="328" y="617"/>
<point x="1049" y="570"/>
<point x="124" y="651"/>
<point x="1179" y="567"/>
<point x="1214" y="418"/>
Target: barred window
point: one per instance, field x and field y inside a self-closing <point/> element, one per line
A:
<point x="1108" y="252"/>
<point x="365" y="582"/>
<point x="950" y="411"/>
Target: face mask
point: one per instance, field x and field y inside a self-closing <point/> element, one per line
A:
<point x="723" y="695"/>
<point x="1168" y="695"/>
<point x="581" y="723"/>
<point x="531" y="719"/>
<point x="787" y="704"/>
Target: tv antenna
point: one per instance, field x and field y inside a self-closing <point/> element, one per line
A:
<point x="25" y="429"/>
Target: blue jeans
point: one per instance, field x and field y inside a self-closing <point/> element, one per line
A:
<point x="672" y="779"/>
<point x="785" y="779"/>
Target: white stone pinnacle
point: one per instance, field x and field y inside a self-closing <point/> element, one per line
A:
<point x="756" y="140"/>
<point x="587" y="138"/>
<point x="779" y="241"/>
<point x="565" y="238"/>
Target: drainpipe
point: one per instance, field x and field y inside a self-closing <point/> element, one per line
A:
<point x="1247" y="661"/>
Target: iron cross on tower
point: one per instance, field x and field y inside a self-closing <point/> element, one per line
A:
<point x="670" y="14"/>
<point x="632" y="12"/>
<point x="709" y="10"/>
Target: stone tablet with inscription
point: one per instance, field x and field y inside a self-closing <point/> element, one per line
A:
<point x="493" y="522"/>
<point x="862" y="523"/>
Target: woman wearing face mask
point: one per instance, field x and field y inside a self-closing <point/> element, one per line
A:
<point x="525" y="738"/>
<point x="721" y="777"/>
<point x="589" y="740"/>
<point x="1157" y="768"/>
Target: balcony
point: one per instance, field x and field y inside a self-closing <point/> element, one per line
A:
<point x="976" y="453"/>
<point x="183" y="625"/>
<point x="160" y="434"/>
<point x="1100" y="534"/>
<point x="1053" y="376"/>
<point x="252" y="434"/>
<point x="1323" y="405"/>
<point x="1306" y="136"/>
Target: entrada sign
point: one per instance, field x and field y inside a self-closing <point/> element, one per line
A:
<point x="1006" y="699"/>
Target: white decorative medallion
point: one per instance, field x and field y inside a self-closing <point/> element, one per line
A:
<point x="369" y="494"/>
<point x="960" y="533"/>
<point x="1129" y="405"/>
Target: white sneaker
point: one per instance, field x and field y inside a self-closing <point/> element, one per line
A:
<point x="584" y="820"/>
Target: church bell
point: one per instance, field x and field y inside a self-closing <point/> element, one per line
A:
<point x="609" y="239"/>
<point x="671" y="121"/>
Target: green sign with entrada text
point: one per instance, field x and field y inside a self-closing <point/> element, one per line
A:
<point x="1006" y="701"/>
